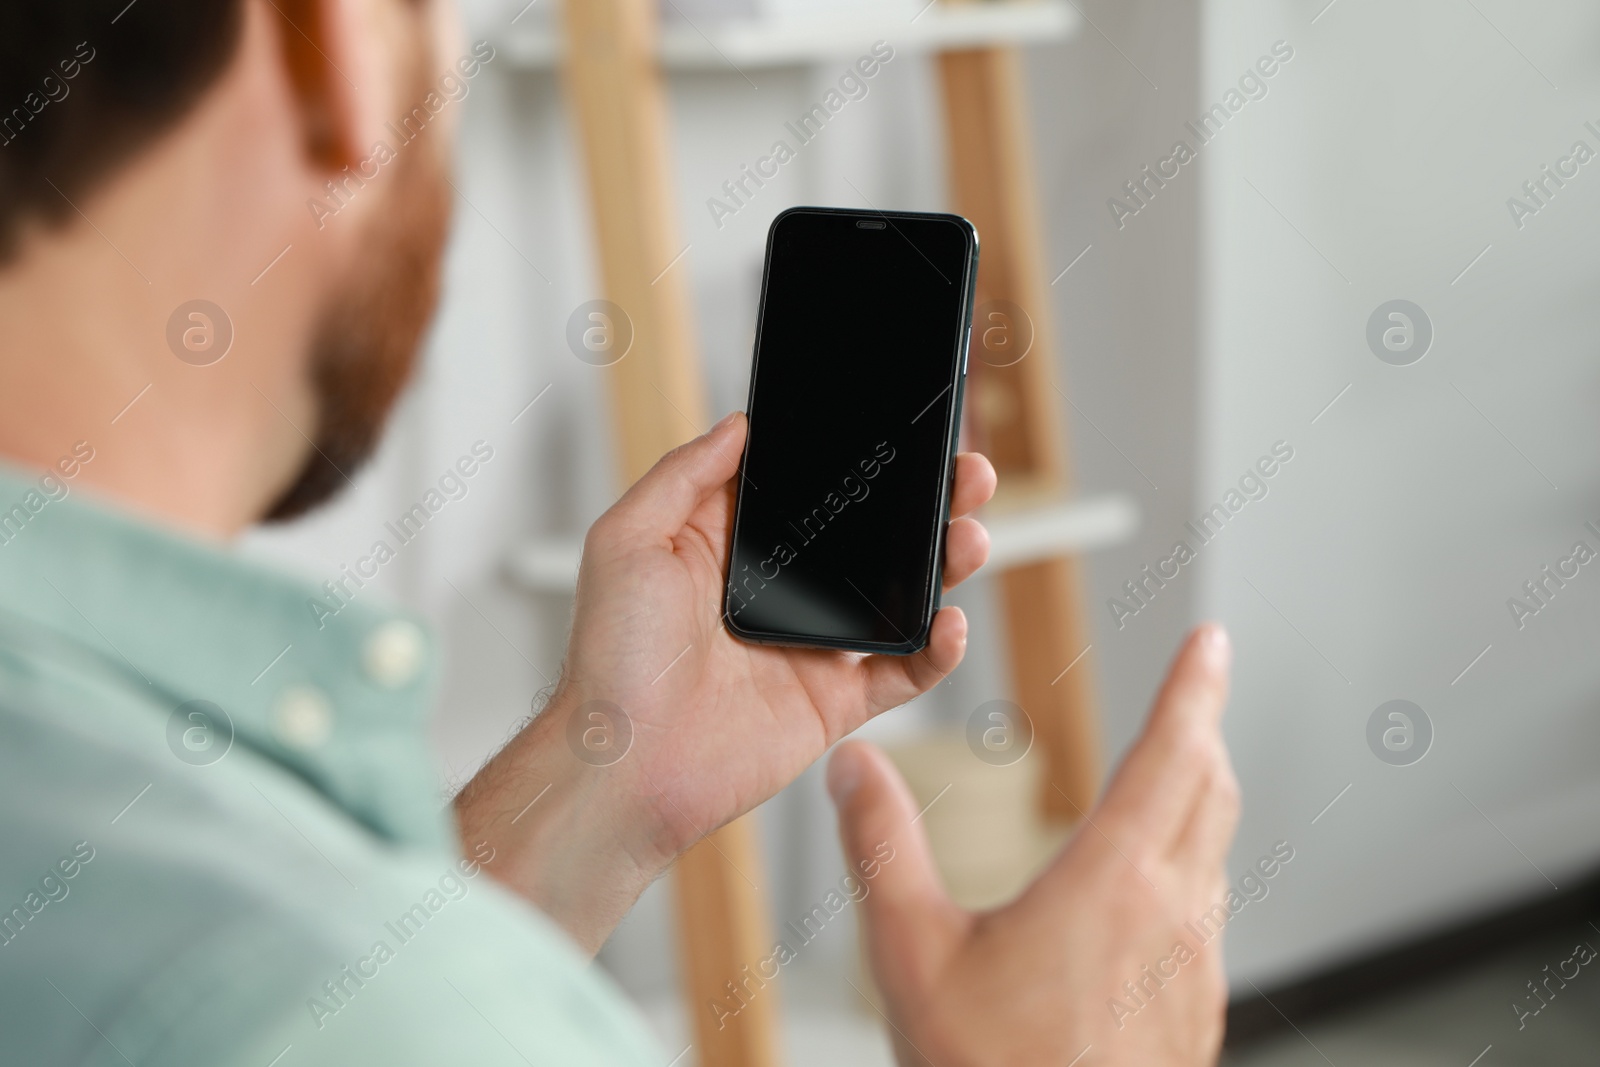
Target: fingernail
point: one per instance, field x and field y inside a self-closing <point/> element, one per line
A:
<point x="1214" y="646"/>
<point x="844" y="775"/>
<point x="725" y="422"/>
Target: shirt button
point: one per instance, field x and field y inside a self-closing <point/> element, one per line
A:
<point x="393" y="654"/>
<point x="303" y="717"/>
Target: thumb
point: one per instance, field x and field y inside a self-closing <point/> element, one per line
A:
<point x="911" y="925"/>
<point x="658" y="504"/>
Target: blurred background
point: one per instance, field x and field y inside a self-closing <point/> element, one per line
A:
<point x="1228" y="313"/>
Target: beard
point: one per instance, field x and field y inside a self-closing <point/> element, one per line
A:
<point x="365" y="345"/>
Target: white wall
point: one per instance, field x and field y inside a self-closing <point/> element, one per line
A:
<point x="1408" y="517"/>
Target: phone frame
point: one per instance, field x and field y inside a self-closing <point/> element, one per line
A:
<point x="934" y="579"/>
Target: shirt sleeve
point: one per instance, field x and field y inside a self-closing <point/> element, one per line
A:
<point x="479" y="978"/>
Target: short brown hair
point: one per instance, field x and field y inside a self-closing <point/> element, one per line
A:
<point x="86" y="84"/>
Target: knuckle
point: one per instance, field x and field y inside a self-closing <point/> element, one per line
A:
<point x="1226" y="786"/>
<point x="601" y="534"/>
<point x="1193" y="746"/>
<point x="673" y="456"/>
<point x="1130" y="886"/>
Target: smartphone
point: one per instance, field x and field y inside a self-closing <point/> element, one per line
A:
<point x="855" y="408"/>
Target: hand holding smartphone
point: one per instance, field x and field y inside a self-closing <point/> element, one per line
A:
<point x="855" y="410"/>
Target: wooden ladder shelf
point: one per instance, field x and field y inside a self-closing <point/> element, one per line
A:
<point x="611" y="65"/>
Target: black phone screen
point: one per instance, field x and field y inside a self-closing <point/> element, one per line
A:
<point x="854" y="404"/>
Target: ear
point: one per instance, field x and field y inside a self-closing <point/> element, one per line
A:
<point x="316" y="37"/>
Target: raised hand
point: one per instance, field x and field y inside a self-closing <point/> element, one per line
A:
<point x="1042" y="979"/>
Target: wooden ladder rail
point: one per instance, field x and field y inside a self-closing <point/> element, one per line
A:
<point x="1016" y="412"/>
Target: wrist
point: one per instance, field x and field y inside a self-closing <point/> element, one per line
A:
<point x="571" y="831"/>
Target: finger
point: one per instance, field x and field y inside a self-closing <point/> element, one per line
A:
<point x="1157" y="786"/>
<point x="1201" y="848"/>
<point x="909" y="921"/>
<point x="966" y="548"/>
<point x="975" y="483"/>
<point x="889" y="681"/>
<point x="657" y="505"/>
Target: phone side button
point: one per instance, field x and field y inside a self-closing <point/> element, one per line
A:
<point x="966" y="352"/>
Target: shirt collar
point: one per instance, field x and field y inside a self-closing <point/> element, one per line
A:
<point x="341" y="699"/>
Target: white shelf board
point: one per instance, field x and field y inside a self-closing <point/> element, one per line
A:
<point x="771" y="42"/>
<point x="546" y="564"/>
<point x="1071" y="526"/>
<point x="550" y="564"/>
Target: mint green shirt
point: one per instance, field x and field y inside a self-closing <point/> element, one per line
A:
<point x="221" y="837"/>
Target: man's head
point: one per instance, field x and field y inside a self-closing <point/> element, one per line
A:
<point x="164" y="151"/>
